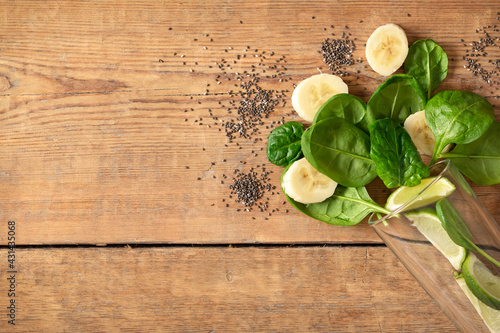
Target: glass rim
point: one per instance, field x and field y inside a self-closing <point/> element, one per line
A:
<point x="396" y="212"/>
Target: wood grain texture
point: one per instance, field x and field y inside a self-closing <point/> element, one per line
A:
<point x="108" y="136"/>
<point x="211" y="289"/>
<point x="105" y="106"/>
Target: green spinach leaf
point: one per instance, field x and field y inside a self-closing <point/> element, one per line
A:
<point x="339" y="150"/>
<point x="347" y="206"/>
<point x="457" y="229"/>
<point x="457" y="117"/>
<point x="396" y="98"/>
<point x="346" y="106"/>
<point x="427" y="63"/>
<point x="283" y="143"/>
<point x="397" y="159"/>
<point x="480" y="159"/>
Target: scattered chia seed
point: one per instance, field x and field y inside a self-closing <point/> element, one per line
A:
<point x="480" y="49"/>
<point x="257" y="103"/>
<point x="247" y="108"/>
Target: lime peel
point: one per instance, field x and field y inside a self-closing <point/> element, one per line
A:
<point x="481" y="281"/>
<point x="490" y="316"/>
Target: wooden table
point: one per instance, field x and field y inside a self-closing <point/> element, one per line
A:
<point x="116" y="167"/>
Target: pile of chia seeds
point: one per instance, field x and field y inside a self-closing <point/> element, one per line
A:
<point x="250" y="188"/>
<point x="337" y="53"/>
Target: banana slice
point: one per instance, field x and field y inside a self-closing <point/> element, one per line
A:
<point x="421" y="134"/>
<point x="303" y="183"/>
<point x="386" y="49"/>
<point x="313" y="92"/>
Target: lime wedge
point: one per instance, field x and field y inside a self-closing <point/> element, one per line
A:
<point x="440" y="189"/>
<point x="491" y="317"/>
<point x="428" y="223"/>
<point x="481" y="281"/>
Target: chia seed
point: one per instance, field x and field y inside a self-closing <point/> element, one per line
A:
<point x="250" y="187"/>
<point x="337" y="53"/>
<point x="487" y="72"/>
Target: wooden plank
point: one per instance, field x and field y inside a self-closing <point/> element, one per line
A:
<point x="93" y="98"/>
<point x="213" y="289"/>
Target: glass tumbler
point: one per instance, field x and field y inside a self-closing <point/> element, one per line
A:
<point x="426" y="263"/>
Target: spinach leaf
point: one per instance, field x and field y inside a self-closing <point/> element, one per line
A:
<point x="457" y="229"/>
<point x="452" y="222"/>
<point x="339" y="150"/>
<point x="347" y="206"/>
<point x="428" y="64"/>
<point x="346" y="106"/>
<point x="283" y="144"/>
<point x="457" y="117"/>
<point x="397" y="159"/>
<point x="396" y="98"/>
<point x="480" y="159"/>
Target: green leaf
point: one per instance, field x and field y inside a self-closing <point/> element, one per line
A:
<point x="480" y="159"/>
<point x="457" y="117"/>
<point x="452" y="222"/>
<point x="396" y="98"/>
<point x="339" y="150"/>
<point x="346" y="106"/>
<point x="347" y="206"/>
<point x="457" y="229"/>
<point x="397" y="159"/>
<point x="283" y="143"/>
<point x="427" y="63"/>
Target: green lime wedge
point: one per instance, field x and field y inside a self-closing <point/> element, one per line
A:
<point x="490" y="316"/>
<point x="440" y="189"/>
<point x="481" y="281"/>
<point x="428" y="223"/>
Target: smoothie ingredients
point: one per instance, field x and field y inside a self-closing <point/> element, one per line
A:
<point x="481" y="281"/>
<point x="480" y="159"/>
<point x="283" y="144"/>
<point x="352" y="143"/>
<point x="340" y="150"/>
<point x="397" y="98"/>
<point x="457" y="229"/>
<point x="346" y="106"/>
<point x="491" y="317"/>
<point x="303" y="183"/>
<point x="386" y="49"/>
<point x="337" y="53"/>
<point x="421" y="134"/>
<point x="428" y="223"/>
<point x="397" y="159"/>
<point x="313" y="92"/>
<point x="347" y="206"/>
<point x="437" y="189"/>
<point x="457" y="117"/>
<point x="428" y="64"/>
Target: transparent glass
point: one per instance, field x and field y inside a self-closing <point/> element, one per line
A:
<point x="427" y="264"/>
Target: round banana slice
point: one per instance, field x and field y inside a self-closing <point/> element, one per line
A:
<point x="386" y="49"/>
<point x="303" y="183"/>
<point x="421" y="134"/>
<point x="313" y="92"/>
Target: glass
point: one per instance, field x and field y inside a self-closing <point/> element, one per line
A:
<point x="427" y="264"/>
